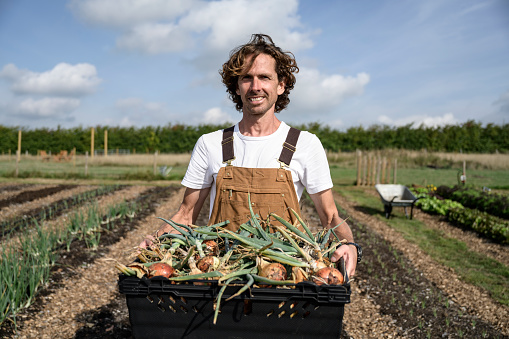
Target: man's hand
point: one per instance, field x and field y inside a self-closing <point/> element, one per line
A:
<point x="349" y="254"/>
<point x="147" y="241"/>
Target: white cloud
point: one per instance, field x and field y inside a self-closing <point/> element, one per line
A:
<point x="127" y="13"/>
<point x="215" y="116"/>
<point x="164" y="26"/>
<point x="446" y="119"/>
<point x="63" y="80"/>
<point x="155" y="39"/>
<point x="137" y="112"/>
<point x="228" y="23"/>
<point x="316" y="93"/>
<point x="47" y="107"/>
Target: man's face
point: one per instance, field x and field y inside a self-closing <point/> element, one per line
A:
<point x="259" y="87"/>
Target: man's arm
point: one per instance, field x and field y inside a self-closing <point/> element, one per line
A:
<point x="329" y="217"/>
<point x="187" y="213"/>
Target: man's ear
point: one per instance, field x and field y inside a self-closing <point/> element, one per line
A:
<point x="281" y="87"/>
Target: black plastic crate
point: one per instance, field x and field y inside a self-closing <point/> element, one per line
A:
<point x="160" y="309"/>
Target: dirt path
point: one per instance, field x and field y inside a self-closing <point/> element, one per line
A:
<point x="18" y="209"/>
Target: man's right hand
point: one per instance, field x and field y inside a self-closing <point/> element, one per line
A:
<point x="147" y="241"/>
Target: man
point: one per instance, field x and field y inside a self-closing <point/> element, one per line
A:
<point x="260" y="156"/>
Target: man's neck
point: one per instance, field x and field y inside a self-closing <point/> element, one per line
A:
<point x="259" y="126"/>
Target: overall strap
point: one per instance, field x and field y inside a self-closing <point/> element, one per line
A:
<point x="227" y="144"/>
<point x="289" y="146"/>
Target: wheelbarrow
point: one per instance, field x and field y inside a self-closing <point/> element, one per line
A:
<point x="396" y="195"/>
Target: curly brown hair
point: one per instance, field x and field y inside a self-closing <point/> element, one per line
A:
<point x="236" y="65"/>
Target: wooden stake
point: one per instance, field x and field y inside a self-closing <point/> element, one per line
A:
<point x="19" y="147"/>
<point x="92" y="143"/>
<point x="395" y="170"/>
<point x="155" y="162"/>
<point x="384" y="165"/>
<point x="17" y="164"/>
<point x="368" y="180"/>
<point x="105" y="143"/>
<point x="86" y="163"/>
<point x="378" y="169"/>
<point x="359" y="160"/>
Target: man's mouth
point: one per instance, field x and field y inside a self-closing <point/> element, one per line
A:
<point x="255" y="99"/>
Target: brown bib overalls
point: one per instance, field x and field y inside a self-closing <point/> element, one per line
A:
<point x="271" y="190"/>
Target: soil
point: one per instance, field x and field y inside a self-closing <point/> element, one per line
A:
<point x="398" y="292"/>
<point x="26" y="196"/>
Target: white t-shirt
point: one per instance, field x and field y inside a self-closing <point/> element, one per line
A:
<point x="309" y="165"/>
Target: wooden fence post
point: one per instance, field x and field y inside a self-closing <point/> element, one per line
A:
<point x="395" y="170"/>
<point x="92" y="143"/>
<point x="384" y="165"/>
<point x="105" y="143"/>
<point x="359" y="165"/>
<point x="368" y="179"/>
<point x="86" y="163"/>
<point x="17" y="163"/>
<point x="388" y="180"/>
<point x="18" y="154"/>
<point x="155" y="162"/>
<point x="378" y="169"/>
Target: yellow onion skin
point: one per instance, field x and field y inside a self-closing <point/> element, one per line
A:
<point x="211" y="247"/>
<point x="274" y="271"/>
<point x="160" y="269"/>
<point x="329" y="276"/>
<point x="207" y="263"/>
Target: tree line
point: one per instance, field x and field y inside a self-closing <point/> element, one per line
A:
<point x="469" y="137"/>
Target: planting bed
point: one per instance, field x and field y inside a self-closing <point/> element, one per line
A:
<point x="398" y="291"/>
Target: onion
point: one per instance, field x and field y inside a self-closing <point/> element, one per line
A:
<point x="208" y="263"/>
<point x="160" y="269"/>
<point x="329" y="276"/>
<point x="274" y="271"/>
<point x="211" y="247"/>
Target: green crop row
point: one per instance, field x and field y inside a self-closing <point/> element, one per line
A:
<point x="482" y="200"/>
<point x="483" y="223"/>
<point x="26" y="266"/>
<point x="9" y="226"/>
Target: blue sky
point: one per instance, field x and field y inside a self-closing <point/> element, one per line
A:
<point x="153" y="62"/>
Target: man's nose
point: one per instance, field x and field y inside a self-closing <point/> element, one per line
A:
<point x="255" y="84"/>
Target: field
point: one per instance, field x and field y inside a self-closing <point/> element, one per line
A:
<point x="419" y="278"/>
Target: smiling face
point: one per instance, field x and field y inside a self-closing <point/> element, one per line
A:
<point x="259" y="86"/>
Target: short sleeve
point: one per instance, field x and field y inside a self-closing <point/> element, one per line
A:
<point x="197" y="175"/>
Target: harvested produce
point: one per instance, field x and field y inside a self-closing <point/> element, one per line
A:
<point x="259" y="255"/>
<point x="328" y="275"/>
<point x="160" y="269"/>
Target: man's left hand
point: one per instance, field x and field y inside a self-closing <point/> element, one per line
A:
<point x="349" y="254"/>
